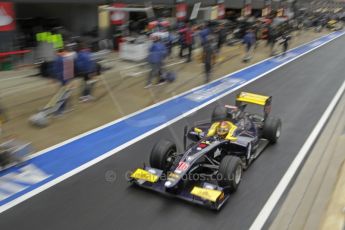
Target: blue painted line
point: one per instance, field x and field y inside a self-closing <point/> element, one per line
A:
<point x="70" y="156"/>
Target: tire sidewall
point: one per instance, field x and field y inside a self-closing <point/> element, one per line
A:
<point x="227" y="171"/>
<point x="159" y="154"/>
<point x="272" y="129"/>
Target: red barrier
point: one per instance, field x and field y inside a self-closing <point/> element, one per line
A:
<point x="16" y="52"/>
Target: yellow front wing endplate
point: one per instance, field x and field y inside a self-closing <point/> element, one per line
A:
<point x="207" y="194"/>
<point x="141" y="174"/>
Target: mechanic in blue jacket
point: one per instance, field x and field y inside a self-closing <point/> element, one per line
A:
<point x="157" y="54"/>
<point x="203" y="34"/>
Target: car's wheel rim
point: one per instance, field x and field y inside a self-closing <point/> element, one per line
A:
<point x="171" y="156"/>
<point x="249" y="151"/>
<point x="278" y="132"/>
<point x="238" y="174"/>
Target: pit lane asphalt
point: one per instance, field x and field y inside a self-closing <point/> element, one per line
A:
<point x="301" y="92"/>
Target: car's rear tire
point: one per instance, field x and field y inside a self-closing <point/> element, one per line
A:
<point x="162" y="155"/>
<point x="230" y="173"/>
<point x="219" y="114"/>
<point x="272" y="129"/>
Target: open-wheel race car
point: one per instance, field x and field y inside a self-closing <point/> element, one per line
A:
<point x="210" y="169"/>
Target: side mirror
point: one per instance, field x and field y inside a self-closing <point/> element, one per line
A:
<point x="195" y="134"/>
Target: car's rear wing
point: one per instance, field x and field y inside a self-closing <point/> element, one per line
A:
<point x="256" y="99"/>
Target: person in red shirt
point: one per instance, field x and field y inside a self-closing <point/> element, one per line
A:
<point x="187" y="41"/>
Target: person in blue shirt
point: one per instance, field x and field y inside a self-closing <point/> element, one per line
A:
<point x="249" y="40"/>
<point x="157" y="54"/>
<point x="204" y="33"/>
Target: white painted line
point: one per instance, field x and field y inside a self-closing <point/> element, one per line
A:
<point x="284" y="182"/>
<point x="10" y="187"/>
<point x="4" y="195"/>
<point x="127" y="144"/>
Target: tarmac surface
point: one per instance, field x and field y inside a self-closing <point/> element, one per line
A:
<point x="301" y="92"/>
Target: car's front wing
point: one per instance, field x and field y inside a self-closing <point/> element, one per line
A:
<point x="205" y="194"/>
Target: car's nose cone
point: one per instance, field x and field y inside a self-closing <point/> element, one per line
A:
<point x="168" y="184"/>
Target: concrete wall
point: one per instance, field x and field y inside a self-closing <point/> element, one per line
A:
<point x="77" y="18"/>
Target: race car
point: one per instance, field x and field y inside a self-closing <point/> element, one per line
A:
<point x="210" y="169"/>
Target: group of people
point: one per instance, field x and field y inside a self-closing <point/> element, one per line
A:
<point x="210" y="41"/>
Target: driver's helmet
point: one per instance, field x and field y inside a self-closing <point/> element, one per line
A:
<point x="223" y="129"/>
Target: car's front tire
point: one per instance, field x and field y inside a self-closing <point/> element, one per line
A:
<point x="163" y="155"/>
<point x="230" y="173"/>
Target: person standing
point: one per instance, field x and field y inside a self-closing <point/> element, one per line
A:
<point x="204" y="33"/>
<point x="157" y="54"/>
<point x="187" y="41"/>
<point x="181" y="41"/>
<point x="85" y="67"/>
<point x="221" y="37"/>
<point x="272" y="39"/>
<point x="249" y="42"/>
<point x="169" y="42"/>
<point x="285" y="43"/>
<point x="209" y="53"/>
